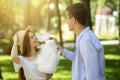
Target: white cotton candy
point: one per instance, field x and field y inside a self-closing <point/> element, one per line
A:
<point x="42" y="37"/>
<point x="49" y="56"/>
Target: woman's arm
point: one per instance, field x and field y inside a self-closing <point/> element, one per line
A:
<point x="14" y="51"/>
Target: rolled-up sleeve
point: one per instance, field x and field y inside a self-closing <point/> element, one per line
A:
<point x="17" y="66"/>
<point x="68" y="54"/>
<point x="90" y="60"/>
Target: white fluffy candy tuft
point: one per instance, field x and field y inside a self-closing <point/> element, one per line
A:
<point x="49" y="56"/>
<point x="42" y="37"/>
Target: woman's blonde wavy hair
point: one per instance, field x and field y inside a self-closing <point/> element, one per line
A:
<point x="22" y="38"/>
<point x="24" y="43"/>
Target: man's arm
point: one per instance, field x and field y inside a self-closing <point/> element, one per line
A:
<point x="67" y="53"/>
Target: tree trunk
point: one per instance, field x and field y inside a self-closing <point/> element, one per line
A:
<point x="119" y="33"/>
<point x="87" y="2"/>
<point x="49" y="16"/>
<point x="1" y="76"/>
<point x="59" y="21"/>
<point x="0" y="73"/>
<point x="118" y="9"/>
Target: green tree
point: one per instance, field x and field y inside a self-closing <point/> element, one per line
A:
<point x="59" y="21"/>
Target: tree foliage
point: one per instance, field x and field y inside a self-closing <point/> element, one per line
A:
<point x="15" y="14"/>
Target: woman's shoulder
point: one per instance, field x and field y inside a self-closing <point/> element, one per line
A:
<point x="22" y="58"/>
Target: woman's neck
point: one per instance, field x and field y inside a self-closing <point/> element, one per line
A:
<point x="32" y="52"/>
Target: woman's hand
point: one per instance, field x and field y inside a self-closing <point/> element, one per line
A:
<point x="48" y="76"/>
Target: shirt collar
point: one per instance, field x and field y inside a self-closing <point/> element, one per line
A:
<point x="82" y="32"/>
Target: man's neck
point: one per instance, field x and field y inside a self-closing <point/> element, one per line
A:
<point x="78" y="29"/>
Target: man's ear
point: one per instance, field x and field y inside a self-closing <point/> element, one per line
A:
<point x="73" y="20"/>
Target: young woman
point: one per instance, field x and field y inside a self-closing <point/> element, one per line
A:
<point x="26" y="62"/>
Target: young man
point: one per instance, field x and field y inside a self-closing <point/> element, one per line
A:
<point x="88" y="59"/>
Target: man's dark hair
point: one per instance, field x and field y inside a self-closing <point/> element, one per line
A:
<point x="79" y="11"/>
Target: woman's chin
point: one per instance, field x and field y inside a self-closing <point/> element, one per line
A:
<point x="37" y="44"/>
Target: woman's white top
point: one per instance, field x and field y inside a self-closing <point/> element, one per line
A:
<point x="30" y="69"/>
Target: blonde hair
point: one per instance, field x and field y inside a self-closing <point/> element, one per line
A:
<point x="24" y="47"/>
<point x="22" y="36"/>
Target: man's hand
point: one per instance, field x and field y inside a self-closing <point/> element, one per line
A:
<point x="58" y="45"/>
<point x="60" y="48"/>
<point x="52" y="38"/>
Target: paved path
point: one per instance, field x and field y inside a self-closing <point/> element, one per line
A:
<point x="110" y="42"/>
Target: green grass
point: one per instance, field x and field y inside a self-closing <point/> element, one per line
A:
<point x="7" y="68"/>
<point x="112" y="69"/>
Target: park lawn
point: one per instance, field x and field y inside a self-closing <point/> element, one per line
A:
<point x="112" y="69"/>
